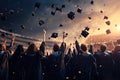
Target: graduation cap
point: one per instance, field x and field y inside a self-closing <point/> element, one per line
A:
<point x="79" y="10"/>
<point x="98" y="28"/>
<point x="84" y="33"/>
<point x="101" y="11"/>
<point x="41" y="22"/>
<point x="92" y="2"/>
<point x="37" y="5"/>
<point x="107" y="22"/>
<point x="11" y="11"/>
<point x="71" y="15"/>
<point x="105" y="17"/>
<point x="87" y="28"/>
<point x="33" y="13"/>
<point x="54" y="35"/>
<point x="108" y="31"/>
<point x="58" y="9"/>
<point x="63" y="6"/>
<point x="60" y="25"/>
<point x="53" y="6"/>
<point x="89" y="18"/>
<point x="52" y="13"/>
<point x="22" y="26"/>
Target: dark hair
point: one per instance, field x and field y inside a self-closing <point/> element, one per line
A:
<point x="19" y="50"/>
<point x="103" y="47"/>
<point x="31" y="49"/>
<point x="56" y="47"/>
<point x="83" y="47"/>
<point x="42" y="47"/>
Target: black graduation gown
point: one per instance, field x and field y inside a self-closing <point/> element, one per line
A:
<point x="116" y="57"/>
<point x="33" y="70"/>
<point x="16" y="67"/>
<point x="105" y="65"/>
<point x="81" y="67"/>
<point x="53" y="68"/>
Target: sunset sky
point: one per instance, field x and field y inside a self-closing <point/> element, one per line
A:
<point x="23" y="9"/>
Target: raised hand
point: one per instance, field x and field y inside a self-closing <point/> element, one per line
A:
<point x="44" y="35"/>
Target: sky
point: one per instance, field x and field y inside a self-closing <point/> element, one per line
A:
<point x="23" y="9"/>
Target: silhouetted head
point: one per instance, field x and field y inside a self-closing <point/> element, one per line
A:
<point x="32" y="49"/>
<point x="56" y="47"/>
<point x="103" y="48"/>
<point x="83" y="48"/>
<point x="42" y="47"/>
<point x="19" y="50"/>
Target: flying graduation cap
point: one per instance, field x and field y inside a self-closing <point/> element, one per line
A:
<point x="105" y="17"/>
<point x="84" y="33"/>
<point x="37" y="5"/>
<point x="53" y="6"/>
<point x="22" y="26"/>
<point x="108" y="23"/>
<point x="61" y="25"/>
<point x="54" y="35"/>
<point x="101" y="11"/>
<point x="108" y="31"/>
<point x="79" y="10"/>
<point x="89" y="18"/>
<point x="92" y="2"/>
<point x="52" y="13"/>
<point x="33" y="13"/>
<point x="71" y="15"/>
<point x="58" y="9"/>
<point x="87" y="28"/>
<point x="41" y="22"/>
<point x="11" y="11"/>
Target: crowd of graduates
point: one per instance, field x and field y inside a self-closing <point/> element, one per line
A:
<point x="81" y="63"/>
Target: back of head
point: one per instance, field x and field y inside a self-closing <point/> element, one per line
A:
<point x="19" y="50"/>
<point x="32" y="49"/>
<point x="56" y="47"/>
<point x="83" y="47"/>
<point x="117" y="49"/>
<point x="103" y="48"/>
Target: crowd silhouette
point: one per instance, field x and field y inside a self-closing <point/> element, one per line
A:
<point x="81" y="63"/>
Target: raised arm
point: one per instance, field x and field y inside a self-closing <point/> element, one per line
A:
<point x="77" y="47"/>
<point x="12" y="41"/>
